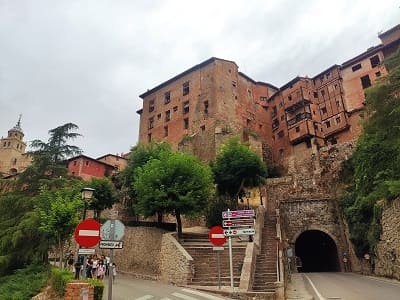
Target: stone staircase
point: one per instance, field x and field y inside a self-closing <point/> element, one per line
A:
<point x="205" y="260"/>
<point x="265" y="274"/>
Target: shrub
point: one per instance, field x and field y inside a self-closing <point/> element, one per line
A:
<point x="59" y="279"/>
<point x="98" y="288"/>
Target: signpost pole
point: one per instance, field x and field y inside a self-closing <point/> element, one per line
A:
<point x="230" y="256"/>
<point x="219" y="269"/>
<point x="112" y="231"/>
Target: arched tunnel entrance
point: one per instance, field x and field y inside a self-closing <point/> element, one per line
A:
<point x="317" y="252"/>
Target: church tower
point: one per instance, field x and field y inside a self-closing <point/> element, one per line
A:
<point x="13" y="159"/>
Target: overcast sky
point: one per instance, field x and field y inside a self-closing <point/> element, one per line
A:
<point x="87" y="62"/>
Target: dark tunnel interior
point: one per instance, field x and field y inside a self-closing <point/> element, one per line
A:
<point x="317" y="252"/>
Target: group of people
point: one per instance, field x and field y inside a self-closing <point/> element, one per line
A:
<point x="96" y="266"/>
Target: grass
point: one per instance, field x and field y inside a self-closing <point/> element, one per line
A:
<point x="24" y="283"/>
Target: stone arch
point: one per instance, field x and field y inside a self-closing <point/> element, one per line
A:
<point x="317" y="251"/>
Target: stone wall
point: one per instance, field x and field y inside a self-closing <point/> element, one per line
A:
<point x="78" y="291"/>
<point x="141" y="252"/>
<point x="388" y="249"/>
<point x="176" y="265"/>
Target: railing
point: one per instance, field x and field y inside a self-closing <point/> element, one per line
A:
<point x="299" y="117"/>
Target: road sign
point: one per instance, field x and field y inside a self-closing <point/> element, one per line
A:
<point x="86" y="251"/>
<point x="110" y="245"/>
<point x="87" y="233"/>
<point x="119" y="230"/>
<point x="216" y="236"/>
<point x="218" y="248"/>
<point x="238" y="214"/>
<point x="240" y="231"/>
<point x="238" y="222"/>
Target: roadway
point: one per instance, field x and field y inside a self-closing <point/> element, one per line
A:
<point x="129" y="288"/>
<point x="349" y="286"/>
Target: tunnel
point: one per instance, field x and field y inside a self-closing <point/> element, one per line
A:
<point x="316" y="252"/>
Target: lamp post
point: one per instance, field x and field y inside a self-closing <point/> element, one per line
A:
<point x="87" y="194"/>
<point x="247" y="193"/>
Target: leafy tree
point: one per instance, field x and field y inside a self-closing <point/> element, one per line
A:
<point x="236" y="167"/>
<point x="104" y="195"/>
<point x="176" y="183"/>
<point x="373" y="172"/>
<point x="59" y="214"/>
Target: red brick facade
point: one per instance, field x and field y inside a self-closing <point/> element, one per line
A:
<point x="87" y="167"/>
<point x="200" y="108"/>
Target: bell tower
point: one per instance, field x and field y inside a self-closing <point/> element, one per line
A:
<point x="13" y="159"/>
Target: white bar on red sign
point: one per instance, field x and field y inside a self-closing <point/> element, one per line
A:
<point x="217" y="235"/>
<point x="238" y="213"/>
<point x="84" y="232"/>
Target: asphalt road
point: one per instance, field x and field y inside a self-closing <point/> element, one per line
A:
<point x="348" y="286"/>
<point x="129" y="288"/>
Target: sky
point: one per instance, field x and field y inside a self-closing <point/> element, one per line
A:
<point x="87" y="62"/>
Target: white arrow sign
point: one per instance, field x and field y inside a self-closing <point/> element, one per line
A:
<point x="235" y="232"/>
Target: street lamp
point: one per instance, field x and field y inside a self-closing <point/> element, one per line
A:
<point x="247" y="194"/>
<point x="87" y="194"/>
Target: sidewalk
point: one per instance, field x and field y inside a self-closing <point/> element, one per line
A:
<point x="296" y="288"/>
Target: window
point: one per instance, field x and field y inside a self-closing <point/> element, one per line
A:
<point x="185" y="107"/>
<point x="234" y="83"/>
<point x="289" y="97"/>
<point x="275" y="124"/>
<point x="280" y="104"/>
<point x="338" y="103"/>
<point x="165" y="130"/>
<point x="167" y="115"/>
<point x="323" y="110"/>
<point x="274" y="112"/>
<point x="297" y="129"/>
<point x="248" y="122"/>
<point x="262" y="98"/>
<point x="260" y="126"/>
<point x="356" y="67"/>
<point x="75" y="163"/>
<point x="185" y="88"/>
<point x="322" y="93"/>
<point x="186" y="123"/>
<point x="282" y="117"/>
<point x="315" y="94"/>
<point x="203" y="127"/>
<point x="374" y="61"/>
<point x="328" y="124"/>
<point x="315" y="126"/>
<point x="281" y="134"/>
<point x="167" y="97"/>
<point x="151" y="105"/>
<point x="338" y="120"/>
<point x="206" y="107"/>
<point x="281" y="152"/>
<point x="365" y="81"/>
<point x="378" y="74"/>
<point x="151" y="123"/>
<point x="149" y="137"/>
<point x="175" y="108"/>
<point x="87" y="162"/>
<point x="159" y="117"/>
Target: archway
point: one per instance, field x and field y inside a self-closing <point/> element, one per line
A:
<point x="317" y="252"/>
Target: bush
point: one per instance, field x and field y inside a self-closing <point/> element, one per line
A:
<point x="59" y="279"/>
<point x="98" y="288"/>
<point x="24" y="283"/>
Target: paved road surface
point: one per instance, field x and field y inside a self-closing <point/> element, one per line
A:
<point x="129" y="288"/>
<point x="348" y="286"/>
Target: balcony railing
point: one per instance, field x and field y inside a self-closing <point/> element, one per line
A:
<point x="299" y="117"/>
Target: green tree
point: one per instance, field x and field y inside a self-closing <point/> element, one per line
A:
<point x="104" y="195"/>
<point x="236" y="167"/>
<point x="373" y="172"/>
<point x="176" y="182"/>
<point x="59" y="214"/>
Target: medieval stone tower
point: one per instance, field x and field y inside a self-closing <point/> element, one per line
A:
<point x="13" y="159"/>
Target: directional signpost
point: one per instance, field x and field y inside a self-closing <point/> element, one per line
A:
<point x="236" y="223"/>
<point x="217" y="238"/>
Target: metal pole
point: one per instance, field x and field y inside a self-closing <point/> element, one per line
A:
<point x="84" y="266"/>
<point x="112" y="233"/>
<point x="219" y="269"/>
<point x="230" y="255"/>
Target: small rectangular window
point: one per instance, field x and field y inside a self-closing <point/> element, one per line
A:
<point x="297" y="129"/>
<point x="282" y="117"/>
<point x="338" y="103"/>
<point x="281" y="152"/>
<point x="234" y="83"/>
<point x="149" y="137"/>
<point x="338" y="120"/>
<point x="186" y="123"/>
<point x="151" y="105"/>
<point x="186" y="107"/>
<point x="185" y="88"/>
<point x="315" y="94"/>
<point x="167" y="97"/>
<point x="264" y="99"/>
<point x="378" y="74"/>
<point x="159" y="117"/>
<point x="323" y="110"/>
<point x="281" y="134"/>
<point x="206" y="107"/>
<point x="356" y="67"/>
<point x="328" y="124"/>
<point x="167" y="115"/>
<point x="322" y="93"/>
<point x="365" y="81"/>
<point x="175" y="108"/>
<point x="151" y="123"/>
<point x="203" y="127"/>
<point x="165" y="131"/>
<point x="289" y="97"/>
<point x="374" y="61"/>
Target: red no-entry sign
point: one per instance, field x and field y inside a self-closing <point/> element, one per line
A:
<point x="87" y="233"/>
<point x="216" y="236"/>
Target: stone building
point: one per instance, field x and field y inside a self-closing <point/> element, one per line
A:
<point x="201" y="107"/>
<point x="13" y="159"/>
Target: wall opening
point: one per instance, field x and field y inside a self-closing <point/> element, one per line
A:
<point x="317" y="252"/>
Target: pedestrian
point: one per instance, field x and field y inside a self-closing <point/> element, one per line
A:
<point x="107" y="263"/>
<point x="89" y="269"/>
<point x="100" y="270"/>
<point x="70" y="262"/>
<point x="78" y="267"/>
<point x="345" y="264"/>
<point x="114" y="271"/>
